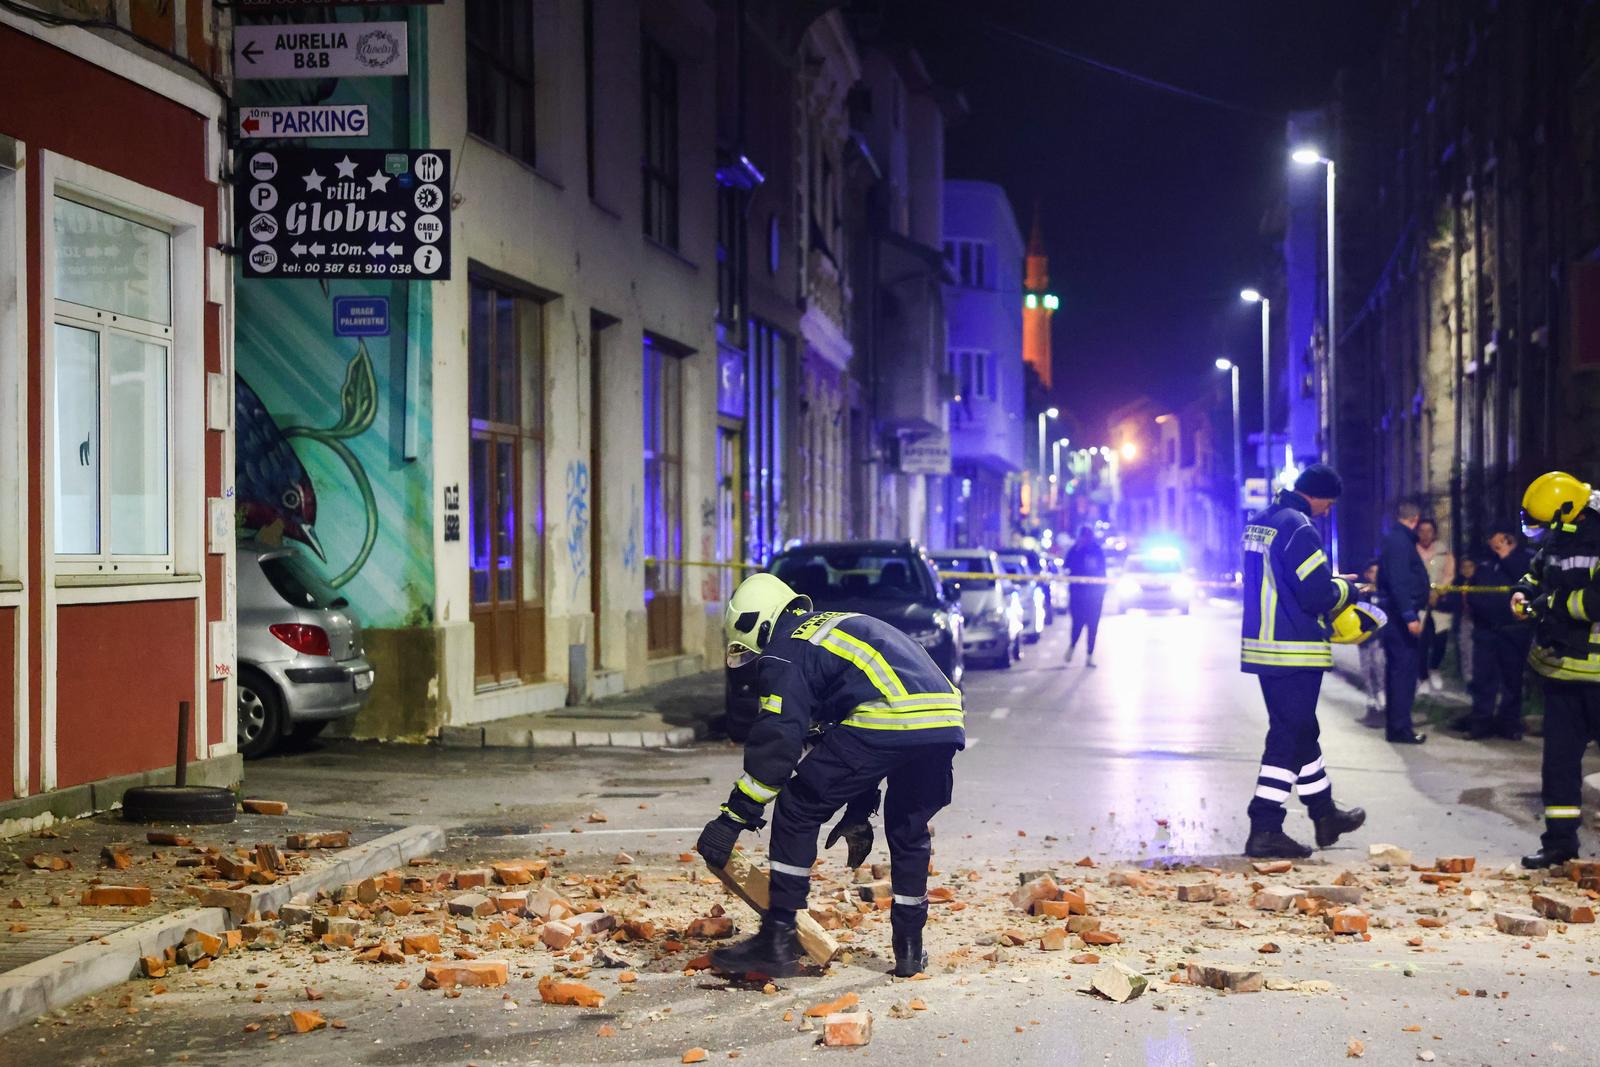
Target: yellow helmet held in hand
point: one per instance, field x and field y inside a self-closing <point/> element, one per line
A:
<point x="1356" y="623"/>
<point x="1553" y="501"/>
<point x="752" y="615"/>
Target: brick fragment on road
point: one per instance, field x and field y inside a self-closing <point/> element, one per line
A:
<point x="1455" y="864"/>
<point x="832" y="1007"/>
<point x="694" y="1055"/>
<point x="420" y="944"/>
<point x="1276" y="898"/>
<point x="167" y="837"/>
<point x="322" y="839"/>
<point x="1130" y="880"/>
<point x="116" y="857"/>
<point x="1082" y="924"/>
<point x="1520" y="924"/>
<point x="594" y="922"/>
<point x="265" y="807"/>
<point x="570" y="994"/>
<point x="116" y="896"/>
<point x="1100" y="938"/>
<point x="879" y="889"/>
<point x="1197" y="892"/>
<point x="483" y="973"/>
<point x="477" y="878"/>
<point x="847" y="1029"/>
<point x="557" y="935"/>
<point x="1042" y="887"/>
<point x="1388" y="856"/>
<point x="306" y="1021"/>
<point x="152" y="966"/>
<point x="712" y="927"/>
<point x="1563" y="909"/>
<point x="1335" y="894"/>
<point x="1232" y="979"/>
<point x="471" y="905"/>
<point x="43" y="861"/>
<point x="1054" y="940"/>
<point x="1118" y="982"/>
<point x="1346" y="921"/>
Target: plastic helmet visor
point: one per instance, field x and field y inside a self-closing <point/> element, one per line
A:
<point x="741" y="654"/>
<point x="1532" y="528"/>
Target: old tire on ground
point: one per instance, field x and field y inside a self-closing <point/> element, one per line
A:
<point x="179" y="804"/>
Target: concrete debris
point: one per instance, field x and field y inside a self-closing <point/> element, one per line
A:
<point x="1118" y="982"/>
<point x="1388" y="856"/>
<point x="1228" y="979"/>
<point x="1520" y="924"/>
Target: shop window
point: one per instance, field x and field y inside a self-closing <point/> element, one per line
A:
<point x="112" y="392"/>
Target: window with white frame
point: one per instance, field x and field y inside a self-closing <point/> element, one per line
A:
<point x="112" y="389"/>
<point x="974" y="374"/>
<point x="12" y="345"/>
<point x="972" y="262"/>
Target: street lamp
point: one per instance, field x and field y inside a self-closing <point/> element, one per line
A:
<point x="1226" y="364"/>
<point x="1129" y="450"/>
<point x="1253" y="296"/>
<point x="1055" y="466"/>
<point x="1309" y="156"/>
<point x="1047" y="413"/>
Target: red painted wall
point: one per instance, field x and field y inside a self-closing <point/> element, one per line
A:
<point x="8" y="696"/>
<point x="122" y="670"/>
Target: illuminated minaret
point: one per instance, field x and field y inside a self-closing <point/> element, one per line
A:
<point x="1038" y="305"/>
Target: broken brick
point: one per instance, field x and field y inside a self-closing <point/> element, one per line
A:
<point x="1388" y="856"/>
<point x="1520" y="924"/>
<point x="875" y="891"/>
<point x="1085" y="957"/>
<point x="1232" y="979"/>
<point x="1346" y="921"/>
<point x="1336" y="894"/>
<point x="1100" y="938"/>
<point x="1130" y="880"/>
<point x="1276" y="898"/>
<point x="465" y="973"/>
<point x="117" y="896"/>
<point x="472" y="905"/>
<point x="847" y="1029"/>
<point x="167" y="837"/>
<point x="718" y="927"/>
<point x="1053" y="909"/>
<point x="306" y="1021"/>
<point x="1456" y="864"/>
<point x="1082" y="924"/>
<point x="574" y="994"/>
<point x="116" y="857"/>
<point x="1563" y="909"/>
<point x="833" y="1007"/>
<point x="1197" y="892"/>
<point x="325" y="839"/>
<point x="43" y="861"/>
<point x="265" y="807"/>
<point x="152" y="966"/>
<point x="1118" y="982"/>
<point x="1273" y="866"/>
<point x="1054" y="940"/>
<point x="556" y="934"/>
<point x="694" y="1055"/>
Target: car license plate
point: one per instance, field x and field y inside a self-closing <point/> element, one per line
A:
<point x="363" y="680"/>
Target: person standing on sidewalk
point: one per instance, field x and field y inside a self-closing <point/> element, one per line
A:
<point x="1500" y="642"/>
<point x="1290" y="596"/>
<point x="1436" y="624"/>
<point x="1085" y="559"/>
<point x="1403" y="593"/>
<point x="1371" y="656"/>
<point x="1561" y="593"/>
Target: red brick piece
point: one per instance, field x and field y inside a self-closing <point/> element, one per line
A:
<point x="847" y="1029"/>
<point x="715" y="927"/>
<point x="306" y="1021"/>
<point x="465" y="973"/>
<point x="265" y="807"/>
<point x="1563" y="909"/>
<point x="116" y="857"/>
<point x="574" y="994"/>
<point x="1041" y="888"/>
<point x="325" y="839"/>
<point x="1456" y="864"/>
<point x="420" y="944"/>
<point x="1346" y="921"/>
<point x="167" y="837"/>
<point x="117" y="896"/>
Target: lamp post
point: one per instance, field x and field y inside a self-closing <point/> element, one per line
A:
<point x="1047" y="413"/>
<point x="1055" y="469"/>
<point x="1308" y="157"/>
<point x="1253" y="296"/>
<point x="1226" y="364"/>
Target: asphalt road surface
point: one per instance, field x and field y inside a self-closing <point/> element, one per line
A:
<point x="1148" y="759"/>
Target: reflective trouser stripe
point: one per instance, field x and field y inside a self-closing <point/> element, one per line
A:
<point x="1313" y="778"/>
<point x="1278" y="773"/>
<point x="755" y="790"/>
<point x="1277" y="796"/>
<point x="1311" y="768"/>
<point x="789" y="868"/>
<point x="1312" y="562"/>
<point x="1563" y="813"/>
<point x="911" y="902"/>
<point x="1308" y="788"/>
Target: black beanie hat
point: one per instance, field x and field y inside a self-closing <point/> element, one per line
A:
<point x="1319" y="480"/>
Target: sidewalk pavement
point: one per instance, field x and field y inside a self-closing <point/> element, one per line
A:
<point x="60" y="944"/>
<point x="672" y="713"/>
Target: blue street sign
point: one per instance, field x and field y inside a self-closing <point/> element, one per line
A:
<point x="361" y="316"/>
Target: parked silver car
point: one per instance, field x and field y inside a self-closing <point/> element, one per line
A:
<point x="1024" y="573"/>
<point x="990" y="604"/>
<point x="301" y="658"/>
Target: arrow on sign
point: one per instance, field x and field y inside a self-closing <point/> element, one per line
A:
<point x="317" y="250"/>
<point x="395" y="250"/>
<point x="375" y="249"/>
<point x="298" y="249"/>
<point x="250" y="125"/>
<point x="251" y="51"/>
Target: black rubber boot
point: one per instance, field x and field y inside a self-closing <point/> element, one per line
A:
<point x="1274" y="845"/>
<point x="1343" y="820"/>
<point x="909" y="958"/>
<point x="1550" y="856"/>
<point x="774" y="952"/>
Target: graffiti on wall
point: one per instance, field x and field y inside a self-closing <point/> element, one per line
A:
<point x="630" y="547"/>
<point x="578" y="522"/>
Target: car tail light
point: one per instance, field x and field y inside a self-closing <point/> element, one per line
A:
<point x="303" y="638"/>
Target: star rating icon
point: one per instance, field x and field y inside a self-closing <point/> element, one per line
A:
<point x="314" y="181"/>
<point x="346" y="168"/>
<point x="379" y="182"/>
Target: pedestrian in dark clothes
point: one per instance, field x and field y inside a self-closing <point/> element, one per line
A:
<point x="1403" y="591"/>
<point x="1085" y="599"/>
<point x="1500" y="640"/>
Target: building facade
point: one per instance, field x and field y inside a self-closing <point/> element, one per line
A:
<point x="116" y="443"/>
<point x="984" y="307"/>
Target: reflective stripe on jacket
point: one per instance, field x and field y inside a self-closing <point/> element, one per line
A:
<point x="1566" y="641"/>
<point x="834" y="669"/>
<point x="1289" y="591"/>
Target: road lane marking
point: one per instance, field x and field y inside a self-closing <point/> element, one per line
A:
<point x="999" y="713"/>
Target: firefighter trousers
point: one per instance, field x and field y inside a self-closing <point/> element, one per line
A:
<point x="1292" y="760"/>
<point x="1571" y="721"/>
<point x="841" y="767"/>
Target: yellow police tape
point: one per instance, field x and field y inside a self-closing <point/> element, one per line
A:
<point x="1064" y="579"/>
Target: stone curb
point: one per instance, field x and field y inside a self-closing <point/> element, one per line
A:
<point x="58" y="980"/>
<point x="507" y="736"/>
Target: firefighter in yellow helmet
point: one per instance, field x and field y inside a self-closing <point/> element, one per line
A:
<point x="1561" y="593"/>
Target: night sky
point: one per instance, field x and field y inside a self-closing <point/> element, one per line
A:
<point x="1153" y="204"/>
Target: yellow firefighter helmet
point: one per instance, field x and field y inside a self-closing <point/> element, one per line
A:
<point x="1553" y="501"/>
<point x="1356" y="623"/>
<point x="752" y="615"/>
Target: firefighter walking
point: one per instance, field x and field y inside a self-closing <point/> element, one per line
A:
<point x="1561" y="593"/>
<point x="887" y="712"/>
<point x="1293" y="606"/>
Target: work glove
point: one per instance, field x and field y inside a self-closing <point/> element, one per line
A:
<point x="857" y="836"/>
<point x="717" y="841"/>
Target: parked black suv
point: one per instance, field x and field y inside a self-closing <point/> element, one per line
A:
<point x="889" y="580"/>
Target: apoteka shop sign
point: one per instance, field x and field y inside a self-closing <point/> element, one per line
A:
<point x="345" y="213"/>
